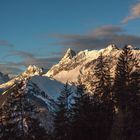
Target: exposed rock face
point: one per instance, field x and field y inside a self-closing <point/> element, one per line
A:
<point x="33" y="70"/>
<point x="41" y="90"/>
<point x="68" y="55"/>
<point x="71" y="66"/>
<point x="44" y="88"/>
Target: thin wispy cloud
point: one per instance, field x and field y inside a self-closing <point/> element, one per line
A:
<point x="7" y="68"/>
<point x="5" y="43"/>
<point x="25" y="59"/>
<point x="133" y="14"/>
<point x="41" y="62"/>
<point x="106" y="30"/>
<point x="30" y="59"/>
<point x="94" y="39"/>
<point x="22" y="54"/>
<point x="97" y="38"/>
<point x="26" y="32"/>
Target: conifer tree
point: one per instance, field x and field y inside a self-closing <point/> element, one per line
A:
<point x="61" y="117"/>
<point x="3" y="131"/>
<point x="92" y="116"/>
<point x="103" y="105"/>
<point x="81" y="114"/>
<point x="102" y="81"/>
<point x="124" y="92"/>
<point x="132" y="121"/>
<point x="18" y="113"/>
<point x="35" y="130"/>
<point x="124" y="68"/>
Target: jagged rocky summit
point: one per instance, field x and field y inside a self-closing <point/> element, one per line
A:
<point x="72" y="64"/>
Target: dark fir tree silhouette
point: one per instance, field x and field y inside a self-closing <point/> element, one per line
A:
<point x="81" y="109"/>
<point x="102" y="81"/>
<point x="125" y="93"/>
<point x="124" y="68"/>
<point x="132" y="121"/>
<point x="3" y="128"/>
<point x="103" y="105"/>
<point x="17" y="118"/>
<point x="61" y="117"/>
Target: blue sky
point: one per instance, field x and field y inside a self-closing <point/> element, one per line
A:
<point x="39" y="31"/>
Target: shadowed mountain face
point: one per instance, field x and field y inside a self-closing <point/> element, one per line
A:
<point x="34" y="83"/>
<point x="4" y="78"/>
<point x="70" y="67"/>
<point x="43" y="88"/>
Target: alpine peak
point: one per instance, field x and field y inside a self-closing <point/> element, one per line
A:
<point x="69" y="54"/>
<point x="33" y="70"/>
<point x="111" y="47"/>
<point x="130" y="47"/>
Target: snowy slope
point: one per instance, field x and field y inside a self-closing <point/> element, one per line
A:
<point x="41" y="90"/>
<point x="69" y="68"/>
<point x="36" y="83"/>
<point x="44" y="88"/>
<point x="49" y="86"/>
<point x="34" y="74"/>
<point x="32" y="70"/>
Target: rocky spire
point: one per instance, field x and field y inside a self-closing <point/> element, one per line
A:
<point x="111" y="47"/>
<point x="68" y="55"/>
<point x="131" y="47"/>
<point x="33" y="70"/>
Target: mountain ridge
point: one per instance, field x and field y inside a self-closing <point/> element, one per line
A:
<point x="70" y="67"/>
<point x="44" y="88"/>
<point x="84" y="60"/>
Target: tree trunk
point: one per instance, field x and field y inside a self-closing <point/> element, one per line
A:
<point x="118" y="125"/>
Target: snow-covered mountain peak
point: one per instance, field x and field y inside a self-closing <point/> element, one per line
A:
<point x="84" y="62"/>
<point x="131" y="47"/>
<point x="85" y="52"/>
<point x="110" y="48"/>
<point x="33" y="70"/>
<point x="68" y="55"/>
